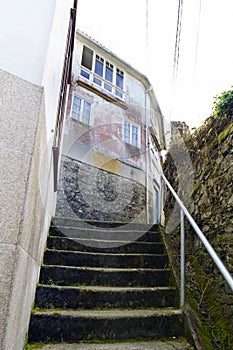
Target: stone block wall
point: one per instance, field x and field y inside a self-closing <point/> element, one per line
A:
<point x="211" y="205"/>
<point x="90" y="193"/>
<point x="23" y="219"/>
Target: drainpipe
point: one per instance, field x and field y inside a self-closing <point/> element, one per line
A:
<point x="147" y="156"/>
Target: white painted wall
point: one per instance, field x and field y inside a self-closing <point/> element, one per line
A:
<point x="25" y="27"/>
<point x="51" y="81"/>
<point x="53" y="67"/>
<point x="32" y="45"/>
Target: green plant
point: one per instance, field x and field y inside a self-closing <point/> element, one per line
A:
<point x="49" y="306"/>
<point x="50" y="281"/>
<point x="223" y="103"/>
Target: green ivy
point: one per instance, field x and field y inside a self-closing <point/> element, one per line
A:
<point x="223" y="103"/>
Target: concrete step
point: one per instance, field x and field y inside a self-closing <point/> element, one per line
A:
<point x="166" y="344"/>
<point x="75" y="326"/>
<point x="91" y="232"/>
<point x="113" y="246"/>
<point x="67" y="275"/>
<point x="79" y="223"/>
<point x="104" y="281"/>
<point x="92" y="297"/>
<point x="79" y="258"/>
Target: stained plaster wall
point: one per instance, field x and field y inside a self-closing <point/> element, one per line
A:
<point x="105" y="133"/>
<point x="101" y="144"/>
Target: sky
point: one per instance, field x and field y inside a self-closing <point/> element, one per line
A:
<point x="143" y="33"/>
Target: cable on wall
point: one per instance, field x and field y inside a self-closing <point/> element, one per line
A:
<point x="177" y="43"/>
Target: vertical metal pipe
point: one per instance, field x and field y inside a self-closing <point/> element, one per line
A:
<point x="182" y="259"/>
<point x="146" y="158"/>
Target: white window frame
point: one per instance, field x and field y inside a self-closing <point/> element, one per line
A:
<point x="129" y="139"/>
<point x="80" y="116"/>
<point x="154" y="149"/>
<point x="100" y="80"/>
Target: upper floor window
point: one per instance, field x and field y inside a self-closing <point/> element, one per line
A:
<point x="81" y="110"/>
<point x="102" y="73"/>
<point x="132" y="134"/>
<point x="154" y="149"/>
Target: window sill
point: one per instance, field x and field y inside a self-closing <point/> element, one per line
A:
<point x="101" y="92"/>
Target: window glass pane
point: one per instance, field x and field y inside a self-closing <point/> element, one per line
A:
<point x="127" y="132"/>
<point x="108" y="87"/>
<point x="87" y="105"/>
<point x="86" y="112"/>
<point x="76" y="103"/>
<point x="118" y="94"/>
<point x="108" y="74"/>
<point x="97" y="81"/>
<point x="86" y="117"/>
<point x="99" y="67"/>
<point x="85" y="74"/>
<point x="76" y="107"/>
<point x="87" y="58"/>
<point x="119" y="79"/>
<point x="134" y="135"/>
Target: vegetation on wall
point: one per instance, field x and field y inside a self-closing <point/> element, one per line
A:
<point x="223" y="103"/>
<point x="211" y="151"/>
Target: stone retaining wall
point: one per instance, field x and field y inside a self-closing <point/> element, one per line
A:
<point x="90" y="193"/>
<point x="211" y="152"/>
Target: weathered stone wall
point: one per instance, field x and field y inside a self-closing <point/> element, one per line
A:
<point x="23" y="220"/>
<point x="211" y="152"/>
<point x="90" y="193"/>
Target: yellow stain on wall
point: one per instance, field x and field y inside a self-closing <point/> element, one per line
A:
<point x="106" y="163"/>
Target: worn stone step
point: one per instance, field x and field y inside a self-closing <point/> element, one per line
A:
<point x="75" y="326"/>
<point x="164" y="344"/>
<point x="64" y="275"/>
<point x="79" y="223"/>
<point x="79" y="258"/>
<point x="90" y="297"/>
<point x="105" y="233"/>
<point x="90" y="245"/>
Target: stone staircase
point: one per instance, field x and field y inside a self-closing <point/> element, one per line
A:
<point x="105" y="282"/>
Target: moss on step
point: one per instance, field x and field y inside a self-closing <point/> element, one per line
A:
<point x="98" y="343"/>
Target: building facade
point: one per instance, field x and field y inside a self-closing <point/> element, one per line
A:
<point x="115" y="126"/>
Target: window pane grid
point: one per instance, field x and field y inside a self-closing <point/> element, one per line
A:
<point x="109" y="74"/>
<point x="81" y="110"/>
<point x="131" y="134"/>
<point x="111" y="77"/>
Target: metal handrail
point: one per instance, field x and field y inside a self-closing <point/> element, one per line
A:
<point x="184" y="212"/>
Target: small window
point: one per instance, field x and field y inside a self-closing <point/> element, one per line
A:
<point x="109" y="72"/>
<point x="119" y="78"/>
<point x="87" y="58"/>
<point x="99" y="66"/>
<point x="132" y="134"/>
<point x="81" y="110"/>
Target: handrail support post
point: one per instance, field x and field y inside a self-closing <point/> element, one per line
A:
<point x="182" y="259"/>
